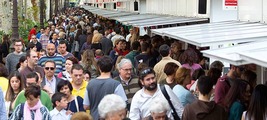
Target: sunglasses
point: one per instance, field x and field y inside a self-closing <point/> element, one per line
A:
<point x="146" y="71"/>
<point x="51" y="68"/>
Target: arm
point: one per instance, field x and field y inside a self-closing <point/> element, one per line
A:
<point x="175" y="101"/>
<point x="86" y="102"/>
<point x="3" y="114"/>
<point x="120" y="91"/>
<point x="135" y="113"/>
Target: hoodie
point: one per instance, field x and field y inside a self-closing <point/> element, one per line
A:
<point x="200" y="110"/>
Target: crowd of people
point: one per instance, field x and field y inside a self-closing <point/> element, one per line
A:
<point x="84" y="67"/>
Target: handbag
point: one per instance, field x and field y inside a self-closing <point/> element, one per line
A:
<point x="164" y="92"/>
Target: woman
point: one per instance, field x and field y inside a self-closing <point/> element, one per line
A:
<point x="75" y="103"/>
<point x="189" y="60"/>
<point x="236" y="99"/>
<point x="66" y="75"/>
<point x="22" y="63"/>
<point x="89" y="63"/>
<point x="257" y="109"/>
<point x="112" y="107"/>
<point x="15" y="85"/>
<point x="96" y="42"/>
<point x="183" y="78"/>
<point x="170" y="69"/>
<point x="87" y="75"/>
<point x="32" y="109"/>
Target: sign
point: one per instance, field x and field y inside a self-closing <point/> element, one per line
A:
<point x="230" y="4"/>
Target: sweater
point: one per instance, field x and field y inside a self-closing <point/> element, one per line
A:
<point x="12" y="60"/>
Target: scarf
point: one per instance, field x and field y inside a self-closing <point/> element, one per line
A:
<point x="27" y="111"/>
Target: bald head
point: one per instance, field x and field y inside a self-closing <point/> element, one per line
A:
<point x="50" y="49"/>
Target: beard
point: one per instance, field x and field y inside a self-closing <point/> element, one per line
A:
<point x="151" y="87"/>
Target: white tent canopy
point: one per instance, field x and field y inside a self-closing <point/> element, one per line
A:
<point x="241" y="54"/>
<point x="209" y="34"/>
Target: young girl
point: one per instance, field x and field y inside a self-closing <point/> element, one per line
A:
<point x="14" y="87"/>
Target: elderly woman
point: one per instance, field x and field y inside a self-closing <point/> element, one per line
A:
<point x="112" y="107"/>
<point x="158" y="109"/>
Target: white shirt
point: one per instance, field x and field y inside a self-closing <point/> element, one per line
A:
<point x="128" y="37"/>
<point x="59" y="115"/>
<point x="51" y="84"/>
<point x="141" y="102"/>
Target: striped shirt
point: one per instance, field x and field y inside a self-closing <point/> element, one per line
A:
<point x="59" y="60"/>
<point x="130" y="87"/>
<point x="44" y="39"/>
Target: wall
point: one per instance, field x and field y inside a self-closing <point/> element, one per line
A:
<point x="218" y="14"/>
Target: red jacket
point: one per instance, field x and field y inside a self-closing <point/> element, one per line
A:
<point x="32" y="32"/>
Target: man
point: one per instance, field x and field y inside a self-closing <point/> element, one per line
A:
<point x="54" y="39"/>
<point x="224" y="83"/>
<point x="101" y="86"/>
<point x="38" y="35"/>
<point x="78" y="83"/>
<point x="164" y="51"/>
<point x="52" y="55"/>
<point x="203" y="108"/>
<point x="32" y="78"/>
<point x="141" y="102"/>
<point x="32" y="59"/>
<point x="36" y="43"/>
<point x="144" y="57"/>
<point x="50" y="81"/>
<point x="32" y="32"/>
<point x="127" y="79"/>
<point x="136" y="51"/>
<point x="62" y="49"/>
<point x="106" y="44"/>
<point x="44" y="39"/>
<point x="12" y="59"/>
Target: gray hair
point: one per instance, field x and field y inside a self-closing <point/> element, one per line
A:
<point x="123" y="62"/>
<point x="159" y="106"/>
<point x="109" y="104"/>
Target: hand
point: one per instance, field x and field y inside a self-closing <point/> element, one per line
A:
<point x="69" y="112"/>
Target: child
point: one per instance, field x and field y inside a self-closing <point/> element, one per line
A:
<point x="60" y="103"/>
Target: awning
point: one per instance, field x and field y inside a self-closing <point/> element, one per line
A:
<point x="241" y="54"/>
<point x="148" y="20"/>
<point x="209" y="34"/>
<point x="107" y="13"/>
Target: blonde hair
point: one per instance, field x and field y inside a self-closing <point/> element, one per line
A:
<point x="182" y="74"/>
<point x="96" y="38"/>
<point x="81" y="116"/>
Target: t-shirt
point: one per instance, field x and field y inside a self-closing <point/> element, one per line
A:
<point x="170" y="84"/>
<point x="45" y="99"/>
<point x="72" y="105"/>
<point x="97" y="89"/>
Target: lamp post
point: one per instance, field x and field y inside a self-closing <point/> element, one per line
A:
<point x="15" y="21"/>
<point x="42" y="13"/>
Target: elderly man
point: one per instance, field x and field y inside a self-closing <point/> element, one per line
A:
<point x="52" y="55"/>
<point x="127" y="79"/>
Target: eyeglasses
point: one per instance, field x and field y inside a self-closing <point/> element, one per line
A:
<point x="130" y="69"/>
<point x="51" y="68"/>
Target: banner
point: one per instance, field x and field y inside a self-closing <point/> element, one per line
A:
<point x="230" y="4"/>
